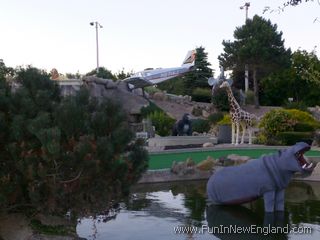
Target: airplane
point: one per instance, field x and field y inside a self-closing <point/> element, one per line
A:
<point x="151" y="77"/>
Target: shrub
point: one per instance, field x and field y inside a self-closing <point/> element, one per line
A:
<point x="226" y="120"/>
<point x="201" y="95"/>
<point x="162" y="123"/>
<point x="277" y="123"/>
<point x="250" y="97"/>
<point x="65" y="154"/>
<point x="197" y="111"/>
<point x="151" y="89"/>
<point x="220" y="100"/>
<point x="290" y="138"/>
<point x="296" y="105"/>
<point x="215" y="117"/>
<point x="200" y="125"/>
<point x="303" y="119"/>
<point x="145" y="111"/>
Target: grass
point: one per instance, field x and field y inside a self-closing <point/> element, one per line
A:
<point x="164" y="160"/>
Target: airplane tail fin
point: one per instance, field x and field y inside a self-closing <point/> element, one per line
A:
<point x="189" y="59"/>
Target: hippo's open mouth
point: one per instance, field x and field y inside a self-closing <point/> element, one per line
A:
<point x="302" y="161"/>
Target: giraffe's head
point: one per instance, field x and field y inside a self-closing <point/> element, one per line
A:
<point x="225" y="84"/>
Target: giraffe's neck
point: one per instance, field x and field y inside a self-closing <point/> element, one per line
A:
<point x="234" y="105"/>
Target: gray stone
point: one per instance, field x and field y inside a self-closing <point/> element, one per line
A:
<point x="207" y="145"/>
<point x="117" y="91"/>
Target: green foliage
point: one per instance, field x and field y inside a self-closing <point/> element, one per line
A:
<point x="151" y="108"/>
<point x="226" y="120"/>
<point x="162" y="122"/>
<point x="277" y="123"/>
<point x="200" y="125"/>
<point x="197" y="111"/>
<point x="259" y="45"/>
<point x="58" y="230"/>
<point x="57" y="154"/>
<point x="102" y="73"/>
<point x="302" y="77"/>
<point x="303" y="119"/>
<point x="215" y="117"/>
<point x="249" y="97"/>
<point x="296" y="105"/>
<point x="201" y="95"/>
<point x="220" y="100"/>
<point x="151" y="89"/>
<point x="174" y="86"/>
<point x="199" y="77"/>
<point x="290" y="138"/>
<point x="122" y="74"/>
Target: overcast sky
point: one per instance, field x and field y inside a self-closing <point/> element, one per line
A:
<point x="136" y="34"/>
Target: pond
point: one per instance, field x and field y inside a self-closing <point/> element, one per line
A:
<point x="179" y="211"/>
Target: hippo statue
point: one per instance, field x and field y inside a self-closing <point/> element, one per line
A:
<point x="265" y="177"/>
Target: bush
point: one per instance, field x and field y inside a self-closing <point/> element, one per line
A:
<point x="64" y="154"/>
<point x="277" y="123"/>
<point x="162" y="122"/>
<point x="303" y="119"/>
<point x="215" y="117"/>
<point x="201" y="95"/>
<point x="296" y="105"/>
<point x="197" y="111"/>
<point x="220" y="100"/>
<point x="226" y="120"/>
<point x="200" y="125"/>
<point x="290" y="138"/>
<point x="146" y="111"/>
<point x="250" y="97"/>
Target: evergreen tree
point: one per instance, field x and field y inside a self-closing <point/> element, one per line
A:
<point x="260" y="46"/>
<point x="64" y="154"/>
<point x="102" y="73"/>
<point x="303" y="79"/>
<point x="199" y="77"/>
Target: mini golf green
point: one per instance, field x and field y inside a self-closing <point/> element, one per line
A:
<point x="164" y="160"/>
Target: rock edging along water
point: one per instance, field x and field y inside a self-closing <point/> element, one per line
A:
<point x="166" y="175"/>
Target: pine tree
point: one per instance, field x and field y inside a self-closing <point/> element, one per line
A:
<point x="259" y="45"/>
<point x="57" y="154"/>
<point x="199" y="77"/>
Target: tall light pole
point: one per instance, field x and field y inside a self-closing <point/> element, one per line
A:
<point x="97" y="25"/>
<point x="246" y="67"/>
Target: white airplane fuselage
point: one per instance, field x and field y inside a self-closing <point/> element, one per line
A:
<point x="154" y="76"/>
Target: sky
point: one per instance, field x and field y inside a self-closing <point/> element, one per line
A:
<point x="136" y="34"/>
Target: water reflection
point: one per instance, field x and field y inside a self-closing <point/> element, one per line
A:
<point x="153" y="210"/>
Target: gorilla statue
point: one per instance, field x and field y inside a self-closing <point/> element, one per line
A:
<point x="182" y="127"/>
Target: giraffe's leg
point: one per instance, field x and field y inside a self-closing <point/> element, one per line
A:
<point x="250" y="135"/>
<point x="243" y="126"/>
<point x="232" y="133"/>
<point x="237" y="133"/>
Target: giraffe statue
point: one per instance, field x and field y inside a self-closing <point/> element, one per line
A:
<point x="238" y="117"/>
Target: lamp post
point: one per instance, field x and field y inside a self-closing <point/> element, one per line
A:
<point x="97" y="26"/>
<point x="246" y="67"/>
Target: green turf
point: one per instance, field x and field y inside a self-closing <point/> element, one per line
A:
<point x="164" y="160"/>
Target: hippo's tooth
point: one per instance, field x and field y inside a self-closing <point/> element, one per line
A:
<point x="304" y="166"/>
<point x="310" y="165"/>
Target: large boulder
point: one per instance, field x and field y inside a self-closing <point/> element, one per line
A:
<point x="118" y="91"/>
<point x="206" y="165"/>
